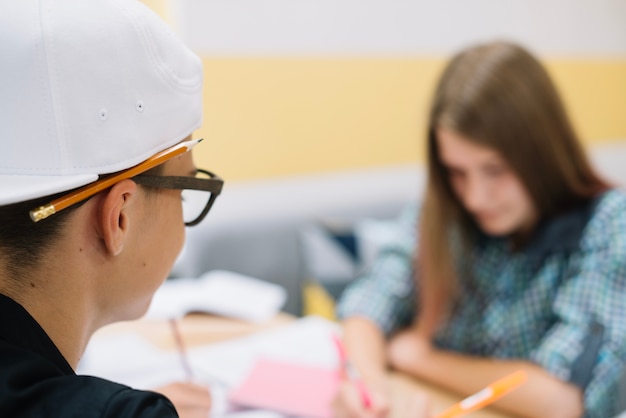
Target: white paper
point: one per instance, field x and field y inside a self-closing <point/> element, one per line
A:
<point x="219" y="292"/>
<point x="306" y="341"/>
<point x="130" y="359"/>
<point x="133" y="361"/>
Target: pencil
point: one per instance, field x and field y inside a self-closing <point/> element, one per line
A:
<point x="488" y="395"/>
<point x="91" y="189"/>
<point x="180" y="345"/>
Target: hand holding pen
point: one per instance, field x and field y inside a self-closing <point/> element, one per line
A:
<point x="355" y="398"/>
<point x="351" y="374"/>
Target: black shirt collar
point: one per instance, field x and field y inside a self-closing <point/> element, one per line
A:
<point x="562" y="233"/>
<point x="558" y="234"/>
<point x="19" y="328"/>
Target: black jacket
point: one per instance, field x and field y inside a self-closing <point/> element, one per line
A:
<point x="37" y="381"/>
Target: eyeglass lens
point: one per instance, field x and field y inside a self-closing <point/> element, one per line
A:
<point x="194" y="201"/>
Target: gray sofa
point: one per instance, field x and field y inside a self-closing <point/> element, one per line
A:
<point x="256" y="228"/>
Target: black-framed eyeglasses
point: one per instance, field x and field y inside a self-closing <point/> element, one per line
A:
<point x="199" y="192"/>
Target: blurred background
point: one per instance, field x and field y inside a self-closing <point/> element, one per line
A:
<point x="308" y="86"/>
<point x="315" y="115"/>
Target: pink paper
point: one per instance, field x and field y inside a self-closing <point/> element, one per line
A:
<point x="293" y="389"/>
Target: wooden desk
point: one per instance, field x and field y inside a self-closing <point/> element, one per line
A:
<point x="404" y="386"/>
<point x="201" y="329"/>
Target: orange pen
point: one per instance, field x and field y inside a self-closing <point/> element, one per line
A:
<point x="488" y="395"/>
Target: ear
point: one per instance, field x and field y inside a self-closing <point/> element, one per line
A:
<point x="114" y="218"/>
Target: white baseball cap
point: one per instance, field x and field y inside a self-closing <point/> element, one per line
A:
<point x="88" y="87"/>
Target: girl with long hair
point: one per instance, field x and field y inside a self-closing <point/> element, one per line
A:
<point x="516" y="258"/>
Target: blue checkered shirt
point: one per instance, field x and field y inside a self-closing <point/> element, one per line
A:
<point x="560" y="303"/>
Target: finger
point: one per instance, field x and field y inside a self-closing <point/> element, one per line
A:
<point x="185" y="394"/>
<point x="380" y="405"/>
<point x="420" y="406"/>
<point x="196" y="396"/>
<point x="187" y="412"/>
<point x="347" y="403"/>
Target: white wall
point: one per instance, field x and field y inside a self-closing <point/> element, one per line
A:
<point x="310" y="27"/>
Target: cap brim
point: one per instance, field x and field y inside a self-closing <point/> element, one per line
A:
<point x="15" y="189"/>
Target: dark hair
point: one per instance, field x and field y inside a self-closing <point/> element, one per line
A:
<point x="499" y="96"/>
<point x="23" y="243"/>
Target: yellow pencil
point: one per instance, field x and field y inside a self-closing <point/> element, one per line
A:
<point x="488" y="395"/>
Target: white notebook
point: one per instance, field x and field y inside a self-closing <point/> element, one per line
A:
<point x="219" y="292"/>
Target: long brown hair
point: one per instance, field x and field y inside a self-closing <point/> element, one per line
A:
<point x="499" y="96"/>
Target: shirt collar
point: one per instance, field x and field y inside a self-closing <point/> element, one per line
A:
<point x="563" y="232"/>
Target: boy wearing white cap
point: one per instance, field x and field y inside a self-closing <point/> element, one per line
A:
<point x="98" y="100"/>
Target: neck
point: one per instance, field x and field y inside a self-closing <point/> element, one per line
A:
<point x="56" y="294"/>
<point x="60" y="313"/>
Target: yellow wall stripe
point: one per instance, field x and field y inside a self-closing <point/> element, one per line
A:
<point x="269" y="117"/>
<point x="594" y="91"/>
